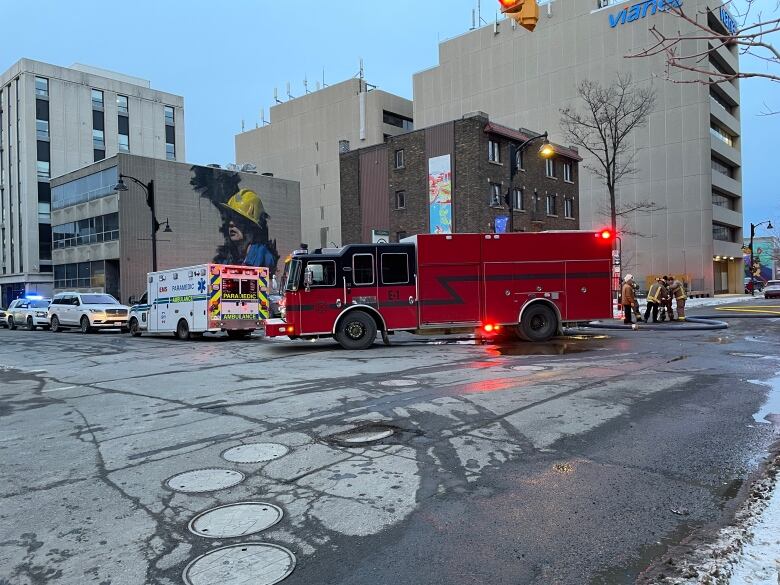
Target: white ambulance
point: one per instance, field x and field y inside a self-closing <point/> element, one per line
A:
<point x="207" y="298"/>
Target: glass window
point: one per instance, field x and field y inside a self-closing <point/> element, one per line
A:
<point x="551" y="205"/>
<point x="97" y="98"/>
<point x="397" y="120"/>
<point x="43" y="168"/>
<point x="84" y="189"/>
<point x="722" y="201"/>
<point x="519" y="159"/>
<point x="169" y="115"/>
<point x="494" y="151"/>
<point x="399" y="159"/>
<point x="121" y="104"/>
<point x="98" y="274"/>
<point x="495" y="195"/>
<point x="567" y="172"/>
<point x="42" y="86"/>
<point x="395" y="268"/>
<point x="549" y="167"/>
<point x="517" y="200"/>
<point x="400" y="199"/>
<point x="98" y="139"/>
<point x="363" y="269"/>
<point x="170" y="151"/>
<point x="723" y="233"/>
<point x="568" y="207"/>
<point x="721" y="168"/>
<point x="124" y="143"/>
<point x="44" y="212"/>
<point x="721" y="134"/>
<point x="324" y="272"/>
<point x="42" y="128"/>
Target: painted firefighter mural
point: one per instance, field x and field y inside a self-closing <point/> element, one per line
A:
<point x="244" y="220"/>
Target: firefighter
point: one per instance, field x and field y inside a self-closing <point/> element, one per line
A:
<point x="628" y="298"/>
<point x="656" y="297"/>
<point x="677" y="290"/>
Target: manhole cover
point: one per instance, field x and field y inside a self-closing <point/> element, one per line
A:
<point x="241" y="564"/>
<point x="204" y="480"/>
<point x="254" y="452"/>
<point x="364" y="434"/>
<point x="398" y="383"/>
<point x="234" y="520"/>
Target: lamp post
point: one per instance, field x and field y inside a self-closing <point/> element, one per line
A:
<point x="149" y="189"/>
<point x="546" y="150"/>
<point x="753" y="227"/>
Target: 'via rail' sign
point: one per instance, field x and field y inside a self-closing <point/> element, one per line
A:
<point x="641" y="9"/>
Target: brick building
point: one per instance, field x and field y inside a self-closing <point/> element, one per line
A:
<point x="389" y="188"/>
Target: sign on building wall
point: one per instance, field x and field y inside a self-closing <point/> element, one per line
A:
<point x="641" y="10"/>
<point x="440" y="194"/>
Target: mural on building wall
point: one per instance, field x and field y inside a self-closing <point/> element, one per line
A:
<point x="440" y="194"/>
<point x="244" y="220"/>
<point x="763" y="262"/>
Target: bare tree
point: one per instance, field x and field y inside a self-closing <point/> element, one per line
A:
<point x="603" y="128"/>
<point x="748" y="27"/>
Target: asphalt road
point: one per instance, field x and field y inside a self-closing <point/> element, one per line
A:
<point x="576" y="461"/>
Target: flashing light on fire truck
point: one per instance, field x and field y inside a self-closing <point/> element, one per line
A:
<point x="523" y="12"/>
<point x="604" y="234"/>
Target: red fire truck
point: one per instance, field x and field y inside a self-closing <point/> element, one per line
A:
<point x="435" y="283"/>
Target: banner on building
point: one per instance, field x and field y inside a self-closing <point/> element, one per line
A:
<point x="440" y="194"/>
<point x="501" y="222"/>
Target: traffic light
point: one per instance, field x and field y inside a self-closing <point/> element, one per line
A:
<point x="523" y="12"/>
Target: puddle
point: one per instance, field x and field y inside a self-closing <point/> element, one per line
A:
<point x="770" y="412"/>
<point x="731" y="491"/>
<point x="558" y="346"/>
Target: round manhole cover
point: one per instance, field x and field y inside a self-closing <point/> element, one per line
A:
<point x="241" y="564"/>
<point x="254" y="452"/>
<point x="234" y="520"/>
<point x="204" y="480"/>
<point x="364" y="434"/>
<point x="398" y="383"/>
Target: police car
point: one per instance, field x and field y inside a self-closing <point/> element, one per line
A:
<point x="30" y="312"/>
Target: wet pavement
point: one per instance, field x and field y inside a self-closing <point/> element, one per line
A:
<point x="433" y="461"/>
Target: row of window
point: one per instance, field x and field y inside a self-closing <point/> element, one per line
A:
<point x="721" y="134"/>
<point x="724" y="233"/>
<point x="170" y="133"/>
<point x="84" y="189"/>
<point x="80" y="275"/>
<point x="720" y="200"/>
<point x="550" y="167"/>
<point x="397" y="120"/>
<point x="394" y="270"/>
<point x="722" y="168"/>
<point x="104" y="228"/>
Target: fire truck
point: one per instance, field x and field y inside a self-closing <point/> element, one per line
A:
<point x="530" y="283"/>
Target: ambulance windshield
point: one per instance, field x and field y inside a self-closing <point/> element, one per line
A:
<point x="292" y="274"/>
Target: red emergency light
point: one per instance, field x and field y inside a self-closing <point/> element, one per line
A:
<point x="604" y="235"/>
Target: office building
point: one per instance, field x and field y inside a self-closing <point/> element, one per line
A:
<point x="305" y="137"/>
<point x="688" y="157"/>
<point x="54" y="120"/>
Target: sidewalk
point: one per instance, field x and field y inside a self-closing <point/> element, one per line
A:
<point x="720" y="300"/>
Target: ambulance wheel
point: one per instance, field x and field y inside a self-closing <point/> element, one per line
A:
<point x="135" y="328"/>
<point x="239" y="334"/>
<point x="356" y="330"/>
<point x="183" y="330"/>
<point x="539" y="323"/>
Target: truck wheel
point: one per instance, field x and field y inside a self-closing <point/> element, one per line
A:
<point x="11" y="324"/>
<point x="539" y="323"/>
<point x="85" y="327"/>
<point x="55" y="324"/>
<point x="239" y="334"/>
<point x="356" y="330"/>
<point x="30" y="324"/>
<point x="183" y="330"/>
<point x="135" y="329"/>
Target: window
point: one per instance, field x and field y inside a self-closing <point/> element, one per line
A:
<point x="567" y="172"/>
<point x="42" y="86"/>
<point x="97" y="99"/>
<point x="399" y="159"/>
<point x="519" y="159"/>
<point x="363" y="269"/>
<point x="723" y="233"/>
<point x="568" y="207"/>
<point x="170" y="151"/>
<point x="400" y="199"/>
<point x="517" y="200"/>
<point x="84" y="189"/>
<point x="720" y="101"/>
<point x="98" y="139"/>
<point x="324" y="272"/>
<point x="722" y="168"/>
<point x="43" y="169"/>
<point x="395" y="269"/>
<point x="123" y="128"/>
<point x="722" y="200"/>
<point x="397" y="120"/>
<point x="495" y="195"/>
<point x="121" y="104"/>
<point x="551" y="204"/>
<point x="721" y="134"/>
<point x="170" y="142"/>
<point x="124" y="143"/>
<point x="42" y="118"/>
<point x="400" y="236"/>
<point x="549" y="167"/>
<point x="169" y="115"/>
<point x="494" y="151"/>
<point x="42" y="128"/>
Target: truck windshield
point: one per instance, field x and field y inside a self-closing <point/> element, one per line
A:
<point x="292" y="275"/>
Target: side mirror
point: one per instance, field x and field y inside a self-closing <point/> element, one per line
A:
<point x="308" y="279"/>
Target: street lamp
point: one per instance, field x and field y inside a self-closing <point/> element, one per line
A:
<point x="753" y="227"/>
<point x="546" y="150"/>
<point x="149" y="189"/>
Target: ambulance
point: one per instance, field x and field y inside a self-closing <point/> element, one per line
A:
<point x="208" y="298"/>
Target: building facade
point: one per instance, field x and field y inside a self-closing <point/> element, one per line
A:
<point x="102" y="238"/>
<point x="688" y="157"/>
<point x="460" y="176"/>
<point x="54" y="120"/>
<point x="305" y="137"/>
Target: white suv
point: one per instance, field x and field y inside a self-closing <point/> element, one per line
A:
<point x="87" y="311"/>
<point x="29" y="312"/>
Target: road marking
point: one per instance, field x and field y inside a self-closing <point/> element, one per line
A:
<point x="58" y="389"/>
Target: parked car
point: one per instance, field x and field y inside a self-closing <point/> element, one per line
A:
<point x="772" y="289"/>
<point x="3" y="320"/>
<point x="29" y="312"/>
<point x="87" y="311"/>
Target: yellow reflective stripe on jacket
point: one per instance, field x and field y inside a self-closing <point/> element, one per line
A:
<point x="654" y="292"/>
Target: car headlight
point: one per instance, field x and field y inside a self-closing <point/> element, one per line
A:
<point x="95" y="311"/>
<point x="40" y="314"/>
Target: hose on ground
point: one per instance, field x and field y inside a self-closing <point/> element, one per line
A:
<point x="698" y="324"/>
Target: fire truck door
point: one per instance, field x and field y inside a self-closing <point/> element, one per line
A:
<point x="588" y="290"/>
<point x="397" y="290"/>
<point x="501" y="304"/>
<point x="541" y="280"/>
<point x="449" y="293"/>
<point x="323" y="302"/>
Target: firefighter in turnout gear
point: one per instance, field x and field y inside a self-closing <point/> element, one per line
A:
<point x="656" y="297"/>
<point x="677" y="290"/>
<point x="628" y="299"/>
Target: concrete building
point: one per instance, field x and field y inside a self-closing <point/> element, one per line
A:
<point x="102" y="238"/>
<point x="306" y="135"/>
<point x="54" y="120"/>
<point x="455" y="177"/>
<point x="688" y="157"/>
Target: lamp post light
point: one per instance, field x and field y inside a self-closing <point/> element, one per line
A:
<point x="156" y="225"/>
<point x="753" y="227"/>
<point x="546" y="150"/>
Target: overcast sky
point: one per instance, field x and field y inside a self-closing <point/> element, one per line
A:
<point x="226" y="61"/>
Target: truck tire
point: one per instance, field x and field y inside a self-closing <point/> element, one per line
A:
<point x="183" y="330"/>
<point x="55" y="324"/>
<point x="135" y="328"/>
<point x="356" y="330"/>
<point x="238" y="334"/>
<point x="85" y="327"/>
<point x="539" y="323"/>
<point x="30" y="324"/>
<point x="11" y="324"/>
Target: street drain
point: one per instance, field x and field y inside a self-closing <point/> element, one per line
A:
<point x="241" y="564"/>
<point x="400" y="383"/>
<point x="234" y="520"/>
<point x="369" y="433"/>
<point x="204" y="480"/>
<point x="254" y="452"/>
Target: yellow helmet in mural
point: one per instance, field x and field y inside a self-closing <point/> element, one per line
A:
<point x="247" y="204"/>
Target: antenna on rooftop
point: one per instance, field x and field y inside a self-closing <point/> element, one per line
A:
<point x="276" y="96"/>
<point x="289" y="95"/>
<point x="323" y="78"/>
<point x="263" y="121"/>
<point x="481" y="20"/>
<point x="305" y="85"/>
<point x="242" y="124"/>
